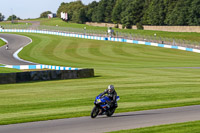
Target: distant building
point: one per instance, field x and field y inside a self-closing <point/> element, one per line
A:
<point x="64" y="16"/>
<point x="52" y="15"/>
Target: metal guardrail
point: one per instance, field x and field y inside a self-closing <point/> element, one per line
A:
<point x="131" y="36"/>
<point x="101" y="38"/>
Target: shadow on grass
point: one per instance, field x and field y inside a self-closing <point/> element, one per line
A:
<point x="96" y="76"/>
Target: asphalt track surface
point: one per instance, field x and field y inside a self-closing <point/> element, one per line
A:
<point x="101" y="124"/>
<point x="15" y="42"/>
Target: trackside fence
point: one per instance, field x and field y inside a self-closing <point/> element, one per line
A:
<point x="103" y="38"/>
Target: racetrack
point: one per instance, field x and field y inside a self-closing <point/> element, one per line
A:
<point x="101" y="124"/>
<point x="15" y="42"/>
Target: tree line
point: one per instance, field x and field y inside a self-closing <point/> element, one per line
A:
<point x="10" y="18"/>
<point x="1" y="17"/>
<point x="132" y="12"/>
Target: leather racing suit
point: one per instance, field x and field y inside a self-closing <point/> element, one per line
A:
<point x="113" y="96"/>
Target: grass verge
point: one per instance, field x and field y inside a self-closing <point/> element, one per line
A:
<point x="188" y="127"/>
<point x="2" y="43"/>
<point x="145" y="77"/>
<point x="9" y="23"/>
<point x="8" y="70"/>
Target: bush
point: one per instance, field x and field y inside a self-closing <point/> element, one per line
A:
<point x="128" y="26"/>
<point x="116" y="26"/>
<point x="123" y="26"/>
<point x="139" y="26"/>
<point x="45" y="14"/>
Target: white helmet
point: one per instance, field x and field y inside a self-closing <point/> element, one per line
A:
<point x="111" y="88"/>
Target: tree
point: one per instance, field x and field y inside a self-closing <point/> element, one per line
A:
<point x="2" y="17"/>
<point x="137" y="11"/>
<point x="126" y="18"/>
<point x="116" y="13"/>
<point x="71" y="9"/>
<point x="99" y="13"/>
<point x="179" y="14"/>
<point x="155" y="14"/>
<point x="13" y="17"/>
<point x="108" y="10"/>
<point x="170" y="4"/>
<point x="103" y="12"/>
<point x="133" y="13"/>
<point x="45" y="14"/>
<point x="79" y="16"/>
<point x="194" y="13"/>
<point x="94" y="15"/>
<point x="82" y="15"/>
<point x="145" y="18"/>
<point x="90" y="10"/>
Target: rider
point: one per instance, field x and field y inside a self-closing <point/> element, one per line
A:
<point x="112" y="94"/>
<point x="7" y="47"/>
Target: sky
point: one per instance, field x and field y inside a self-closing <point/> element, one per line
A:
<point x="31" y="8"/>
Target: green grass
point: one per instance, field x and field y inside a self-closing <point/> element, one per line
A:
<point x="188" y="127"/>
<point x="140" y="74"/>
<point x="2" y="43"/>
<point x="9" y="23"/>
<point x="59" y="22"/>
<point x="173" y="35"/>
<point x="8" y="70"/>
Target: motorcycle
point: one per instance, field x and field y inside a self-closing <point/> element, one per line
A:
<point x="102" y="107"/>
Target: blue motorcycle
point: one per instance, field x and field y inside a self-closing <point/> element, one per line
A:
<point x="102" y="107"/>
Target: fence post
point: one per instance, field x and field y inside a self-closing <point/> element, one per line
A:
<point x="173" y="42"/>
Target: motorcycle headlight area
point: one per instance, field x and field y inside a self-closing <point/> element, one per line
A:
<point x="98" y="101"/>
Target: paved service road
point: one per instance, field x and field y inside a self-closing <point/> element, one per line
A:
<point x="15" y="42"/>
<point x="34" y="25"/>
<point x="104" y="124"/>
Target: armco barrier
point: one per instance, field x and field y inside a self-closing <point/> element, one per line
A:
<point x="39" y="67"/>
<point x="19" y="77"/>
<point x="101" y="38"/>
<point x="55" y="33"/>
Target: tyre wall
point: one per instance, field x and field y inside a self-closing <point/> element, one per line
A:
<point x="19" y="77"/>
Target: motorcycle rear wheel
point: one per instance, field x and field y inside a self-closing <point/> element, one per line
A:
<point x="95" y="112"/>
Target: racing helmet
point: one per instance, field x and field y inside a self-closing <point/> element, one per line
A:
<point x="111" y="88"/>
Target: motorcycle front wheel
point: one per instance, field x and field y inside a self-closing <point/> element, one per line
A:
<point x="95" y="112"/>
